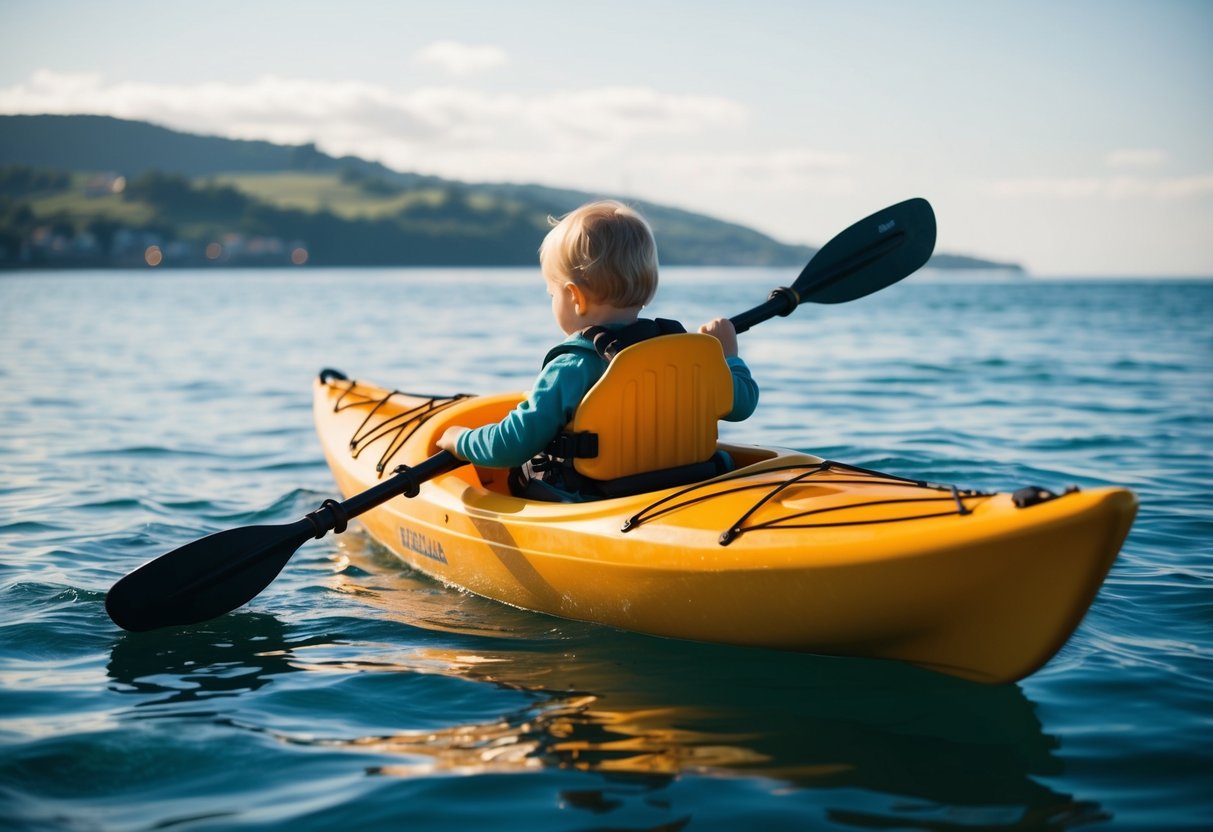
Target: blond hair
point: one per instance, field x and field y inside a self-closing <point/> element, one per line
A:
<point x="607" y="249"/>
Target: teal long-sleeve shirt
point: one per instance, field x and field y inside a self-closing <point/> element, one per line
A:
<point x="559" y="388"/>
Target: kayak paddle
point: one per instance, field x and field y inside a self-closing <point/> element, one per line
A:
<point x="224" y="571"/>
<point x="873" y="253"/>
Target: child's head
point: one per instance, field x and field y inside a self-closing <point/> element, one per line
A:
<point x="608" y="250"/>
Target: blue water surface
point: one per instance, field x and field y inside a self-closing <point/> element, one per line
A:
<point x="142" y="410"/>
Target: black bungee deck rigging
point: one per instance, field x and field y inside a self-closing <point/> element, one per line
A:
<point x="697" y="493"/>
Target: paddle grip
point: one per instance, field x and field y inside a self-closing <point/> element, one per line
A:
<point x="782" y="302"/>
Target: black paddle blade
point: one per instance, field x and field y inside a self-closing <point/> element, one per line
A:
<point x="873" y="253"/>
<point x="204" y="579"/>
<point x="209" y="577"/>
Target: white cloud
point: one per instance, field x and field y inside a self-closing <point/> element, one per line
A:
<point x="578" y="138"/>
<point x="339" y="115"/>
<point x="1053" y="187"/>
<point x="1102" y="187"/>
<point x="788" y="169"/>
<point x="609" y="115"/>
<point x="1181" y="187"/>
<point x="1135" y="158"/>
<point x="461" y="59"/>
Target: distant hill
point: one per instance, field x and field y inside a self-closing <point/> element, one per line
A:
<point x="342" y="211"/>
<point x="102" y="143"/>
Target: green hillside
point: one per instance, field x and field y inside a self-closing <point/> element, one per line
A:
<point x="96" y="191"/>
<point x="129" y="148"/>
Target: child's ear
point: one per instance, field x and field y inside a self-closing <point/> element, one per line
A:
<point x="577" y="297"/>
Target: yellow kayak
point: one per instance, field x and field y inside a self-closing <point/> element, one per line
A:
<point x="787" y="551"/>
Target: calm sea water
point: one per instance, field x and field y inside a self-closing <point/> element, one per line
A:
<point x="139" y="411"/>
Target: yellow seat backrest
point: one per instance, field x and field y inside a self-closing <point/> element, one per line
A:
<point x="656" y="406"/>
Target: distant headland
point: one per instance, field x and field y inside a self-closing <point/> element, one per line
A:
<point x="87" y="191"/>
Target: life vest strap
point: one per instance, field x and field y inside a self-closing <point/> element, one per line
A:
<point x="570" y="445"/>
<point x="719" y="463"/>
<point x="610" y="342"/>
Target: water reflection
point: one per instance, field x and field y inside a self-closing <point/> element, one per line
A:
<point x="231" y="655"/>
<point x="630" y="706"/>
<point x="664" y="708"/>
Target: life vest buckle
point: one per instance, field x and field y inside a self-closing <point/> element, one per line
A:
<point x="574" y="445"/>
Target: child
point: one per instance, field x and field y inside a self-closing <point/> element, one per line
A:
<point x="600" y="265"/>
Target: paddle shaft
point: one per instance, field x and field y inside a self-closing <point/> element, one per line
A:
<point x="333" y="515"/>
<point x="407" y="481"/>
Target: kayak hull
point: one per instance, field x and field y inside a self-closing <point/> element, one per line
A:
<point x="818" y="557"/>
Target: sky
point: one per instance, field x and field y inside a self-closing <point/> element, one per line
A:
<point x="1074" y="137"/>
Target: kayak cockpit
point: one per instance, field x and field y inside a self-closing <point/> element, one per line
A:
<point x="489" y="409"/>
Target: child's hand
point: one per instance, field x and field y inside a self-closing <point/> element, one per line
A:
<point x="448" y="439"/>
<point x="723" y="331"/>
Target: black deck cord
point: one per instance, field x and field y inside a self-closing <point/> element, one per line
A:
<point x="961" y="508"/>
<point x="366" y="434"/>
<point x="639" y="517"/>
<point x="409" y="423"/>
<point x="737" y="529"/>
<point x="731" y="533"/>
<point x="341" y="405"/>
<point x="378" y="431"/>
<point x="358" y="438"/>
<point x="783" y="522"/>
